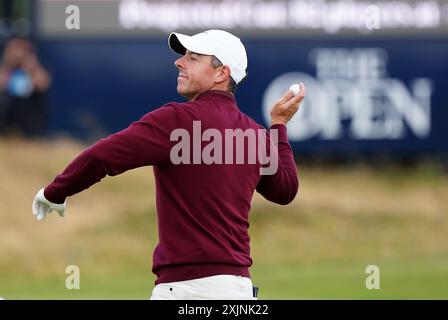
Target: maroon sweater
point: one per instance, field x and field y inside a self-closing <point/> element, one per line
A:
<point x="202" y="209"/>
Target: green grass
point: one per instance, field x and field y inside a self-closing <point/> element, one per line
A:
<point x="318" y="247"/>
<point x="399" y="279"/>
<point x="129" y="285"/>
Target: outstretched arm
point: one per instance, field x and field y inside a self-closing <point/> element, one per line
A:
<point x="144" y="142"/>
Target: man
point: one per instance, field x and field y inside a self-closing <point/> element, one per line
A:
<point x="23" y="90"/>
<point x="202" y="208"/>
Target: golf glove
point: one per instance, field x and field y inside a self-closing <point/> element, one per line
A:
<point x="42" y="207"/>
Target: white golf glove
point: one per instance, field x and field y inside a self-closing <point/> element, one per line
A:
<point x="42" y="207"/>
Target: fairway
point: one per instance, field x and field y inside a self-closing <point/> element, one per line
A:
<point x="404" y="279"/>
<point x="318" y="247"/>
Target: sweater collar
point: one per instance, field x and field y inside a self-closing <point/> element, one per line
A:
<point x="216" y="93"/>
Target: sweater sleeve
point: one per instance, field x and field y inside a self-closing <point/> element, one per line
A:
<point x="144" y="142"/>
<point x="281" y="187"/>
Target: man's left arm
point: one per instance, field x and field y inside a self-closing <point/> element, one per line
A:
<point x="144" y="142"/>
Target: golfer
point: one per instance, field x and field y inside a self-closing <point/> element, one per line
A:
<point x="202" y="207"/>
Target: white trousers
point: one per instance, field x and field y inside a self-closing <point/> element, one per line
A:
<point x="220" y="287"/>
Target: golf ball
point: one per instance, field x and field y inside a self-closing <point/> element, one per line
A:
<point x="295" y="88"/>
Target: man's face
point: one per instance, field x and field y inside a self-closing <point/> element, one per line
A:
<point x="196" y="74"/>
<point x="16" y="52"/>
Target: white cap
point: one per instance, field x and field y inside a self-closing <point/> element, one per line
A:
<point x="223" y="45"/>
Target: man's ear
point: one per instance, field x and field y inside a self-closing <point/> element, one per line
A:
<point x="223" y="74"/>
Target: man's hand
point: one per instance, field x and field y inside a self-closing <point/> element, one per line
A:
<point x="287" y="106"/>
<point x="42" y="207"/>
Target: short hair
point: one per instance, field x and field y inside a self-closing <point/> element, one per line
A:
<point x="232" y="84"/>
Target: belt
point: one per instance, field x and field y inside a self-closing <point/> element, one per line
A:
<point x="255" y="291"/>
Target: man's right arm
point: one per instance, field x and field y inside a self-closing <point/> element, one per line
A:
<point x="283" y="185"/>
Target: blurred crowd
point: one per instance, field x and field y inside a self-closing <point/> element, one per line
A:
<point x="24" y="84"/>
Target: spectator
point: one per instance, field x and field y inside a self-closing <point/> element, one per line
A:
<point x="23" y="86"/>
